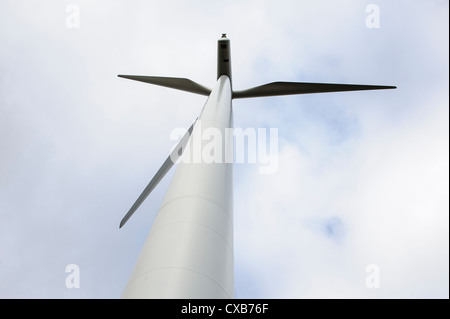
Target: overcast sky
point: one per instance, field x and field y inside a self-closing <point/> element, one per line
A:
<point x="363" y="177"/>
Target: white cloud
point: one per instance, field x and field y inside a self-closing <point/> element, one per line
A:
<point x="388" y="194"/>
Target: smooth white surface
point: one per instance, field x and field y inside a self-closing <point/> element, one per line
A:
<point x="189" y="250"/>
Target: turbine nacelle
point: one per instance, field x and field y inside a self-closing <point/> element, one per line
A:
<point x="223" y="57"/>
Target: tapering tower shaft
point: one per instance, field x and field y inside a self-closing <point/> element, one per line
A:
<point x="189" y="250"/>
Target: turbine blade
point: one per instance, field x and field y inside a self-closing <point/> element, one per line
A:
<point x="174" y="83"/>
<point x="166" y="166"/>
<point x="286" y="88"/>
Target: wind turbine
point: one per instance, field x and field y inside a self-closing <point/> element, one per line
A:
<point x="189" y="250"/>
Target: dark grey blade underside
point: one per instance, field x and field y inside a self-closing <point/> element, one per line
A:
<point x="166" y="166"/>
<point x="287" y="88"/>
<point x="174" y="83"/>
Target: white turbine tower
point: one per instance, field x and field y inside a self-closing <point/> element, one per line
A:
<point x="189" y="250"/>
